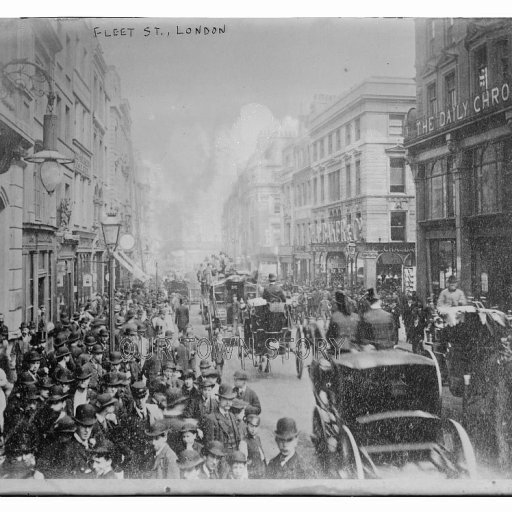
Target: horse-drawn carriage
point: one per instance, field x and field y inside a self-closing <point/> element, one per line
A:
<point x="267" y="334"/>
<point x="377" y="415"/>
<point x="472" y="345"/>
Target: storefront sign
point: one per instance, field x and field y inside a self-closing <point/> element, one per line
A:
<point x="82" y="163"/>
<point x="498" y="96"/>
<point x="87" y="280"/>
<point x="366" y="255"/>
<point x="409" y="279"/>
<point x="399" y="247"/>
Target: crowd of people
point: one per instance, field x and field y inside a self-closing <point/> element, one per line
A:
<point x="74" y="405"/>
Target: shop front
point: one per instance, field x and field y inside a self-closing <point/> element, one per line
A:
<point x="38" y="273"/>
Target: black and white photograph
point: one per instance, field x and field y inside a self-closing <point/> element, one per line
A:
<point x="271" y="250"/>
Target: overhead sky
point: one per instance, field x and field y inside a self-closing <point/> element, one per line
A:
<point x="198" y="101"/>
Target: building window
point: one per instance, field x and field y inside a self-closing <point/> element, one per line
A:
<point x="348" y="176"/>
<point x="487" y="166"/>
<point x="59" y="117"/>
<point x="338" y="139"/>
<point x="396" y="124"/>
<point x="397" y="175"/>
<point x="357" y="129"/>
<point x="503" y="60"/>
<point x="315" y="191"/>
<point x="329" y="146"/>
<point x="334" y="186"/>
<point x="67" y="117"/>
<point x="277" y="204"/>
<point x="322" y="188"/>
<point x="449" y="39"/>
<point x="431" y="36"/>
<point x="450" y="91"/>
<point x="348" y="135"/>
<point x="315" y="154"/>
<point x="358" y="177"/>
<point x="481" y="69"/>
<point x="398" y="226"/>
<point x="431" y="100"/>
<point x="322" y="148"/>
<point x="439" y="190"/>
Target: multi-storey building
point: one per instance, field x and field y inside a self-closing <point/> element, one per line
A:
<point x="53" y="254"/>
<point x="458" y="142"/>
<point x="349" y="199"/>
<point x="251" y="219"/>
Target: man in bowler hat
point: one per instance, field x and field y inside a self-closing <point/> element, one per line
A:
<point x="286" y="465"/>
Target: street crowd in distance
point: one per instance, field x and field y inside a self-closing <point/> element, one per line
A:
<point x="71" y="407"/>
<point x="75" y="405"/>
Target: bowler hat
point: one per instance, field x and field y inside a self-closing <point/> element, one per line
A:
<point x="212" y="372"/>
<point x="97" y="349"/>
<point x="61" y="339"/>
<point x="250" y="409"/>
<point x="203" y="383"/>
<point x="97" y="322"/>
<point x="34" y="356"/>
<point x="214" y="448"/>
<point x="90" y="341"/>
<point x="65" y="424"/>
<point x="64" y="376"/>
<point x="130" y="329"/>
<point x="339" y="298"/>
<point x="204" y="364"/>
<point x="57" y="393"/>
<point x="104" y="400"/>
<point x="189" y="374"/>
<point x="27" y="379"/>
<point x="139" y="389"/>
<point x="85" y="415"/>
<point x="62" y="352"/>
<point x="226" y="391"/>
<point x="83" y="372"/>
<point x="115" y="358"/>
<point x="74" y="336"/>
<point x="286" y="428"/>
<point x="45" y="383"/>
<point x="124" y="379"/>
<point x="189" y="459"/>
<point x="169" y="365"/>
<point x="240" y="375"/>
<point x="253" y="419"/>
<point x="175" y="397"/>
<point x="272" y="278"/>
<point x="237" y="456"/>
<point x="38" y="339"/>
<point x="158" y="428"/>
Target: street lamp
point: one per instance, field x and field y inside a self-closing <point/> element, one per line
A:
<point x="351" y="247"/>
<point x="49" y="158"/>
<point x="111" y="227"/>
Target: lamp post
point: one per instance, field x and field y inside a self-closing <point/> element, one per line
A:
<point x="49" y="158"/>
<point x="111" y="227"/>
<point x="351" y="254"/>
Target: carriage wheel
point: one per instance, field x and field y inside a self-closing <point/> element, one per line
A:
<point x="349" y="461"/>
<point x="319" y="436"/>
<point x="299" y="354"/>
<point x="456" y="442"/>
<point x="241" y="354"/>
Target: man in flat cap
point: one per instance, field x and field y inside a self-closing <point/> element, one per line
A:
<point x="165" y="460"/>
<point x="244" y="392"/>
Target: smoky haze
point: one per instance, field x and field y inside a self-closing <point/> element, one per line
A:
<point x="198" y="102"/>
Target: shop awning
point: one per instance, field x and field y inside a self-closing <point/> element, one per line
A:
<point x="131" y="266"/>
